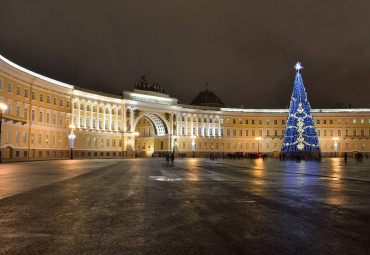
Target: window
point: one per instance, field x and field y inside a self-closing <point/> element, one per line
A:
<point x="252" y="121"/>
<point x="33" y="95"/>
<point x="324" y="122"/>
<point x="260" y="122"/>
<point x="362" y="121"/>
<point x="275" y="122"/>
<point x="25" y="113"/>
<point x="48" y="99"/>
<point x="275" y="132"/>
<point x="61" y="102"/>
<point x="325" y="132"/>
<point x="234" y="132"/>
<point x="339" y="121"/>
<point x="246" y="132"/>
<point x="33" y="115"/>
<point x="113" y="142"/>
<point x="354" y="121"/>
<point x="240" y="121"/>
<point x="101" y="142"/>
<point x="41" y="97"/>
<point x="347" y="132"/>
<point x="268" y="122"/>
<point x="246" y="121"/>
<point x="362" y="132"/>
<point x="283" y="122"/>
<point x="331" y="121"/>
<point x="33" y="138"/>
<point x="18" y="111"/>
<point x="318" y="132"/>
<point x="54" y="119"/>
<point x="48" y="118"/>
<point x="26" y="93"/>
<point x="47" y="139"/>
<point x="17" y="136"/>
<point x="40" y="138"/>
<point x="1" y="84"/>
<point x="68" y="104"/>
<point x="40" y="117"/>
<point x="222" y="121"/>
<point x="253" y="133"/>
<point x="55" y="101"/>
<point x="354" y="132"/>
<point x="260" y="132"/>
<point x="61" y="120"/>
<point x="107" y="142"/>
<point x="339" y="132"/>
<point x="228" y="121"/>
<point x="318" y="122"/>
<point x="18" y="91"/>
<point x="10" y="88"/>
<point x="228" y="132"/>
<point x="268" y="132"/>
<point x="347" y="121"/>
<point x="81" y="107"/>
<point x="24" y="137"/>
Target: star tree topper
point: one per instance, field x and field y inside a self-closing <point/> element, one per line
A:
<point x="298" y="66"/>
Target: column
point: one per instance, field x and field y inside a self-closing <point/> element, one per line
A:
<point x="124" y="118"/>
<point x="84" y="124"/>
<point x="197" y="125"/>
<point x="186" y="124"/>
<point x="91" y="115"/>
<point x="192" y="124"/>
<point x="79" y="114"/>
<point x="219" y="126"/>
<point x="110" y="119"/>
<point x="116" y="124"/>
<point x="104" y="127"/>
<point x="132" y="119"/>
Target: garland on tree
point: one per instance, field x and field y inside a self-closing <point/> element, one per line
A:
<point x="300" y="133"/>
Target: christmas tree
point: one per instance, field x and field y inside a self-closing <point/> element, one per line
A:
<point x="300" y="134"/>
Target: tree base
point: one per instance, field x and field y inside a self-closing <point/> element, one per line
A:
<point x="300" y="155"/>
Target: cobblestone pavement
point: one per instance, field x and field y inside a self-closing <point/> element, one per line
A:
<point x="196" y="206"/>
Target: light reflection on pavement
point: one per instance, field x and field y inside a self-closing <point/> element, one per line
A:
<point x="144" y="206"/>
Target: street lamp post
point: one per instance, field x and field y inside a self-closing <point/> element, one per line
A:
<point x="193" y="144"/>
<point x="258" y="144"/>
<point x="335" y="144"/>
<point x="71" y="138"/>
<point x="3" y="108"/>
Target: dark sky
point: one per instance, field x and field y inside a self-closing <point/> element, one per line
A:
<point x="245" y="50"/>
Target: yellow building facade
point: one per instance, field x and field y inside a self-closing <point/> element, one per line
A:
<point x="147" y="123"/>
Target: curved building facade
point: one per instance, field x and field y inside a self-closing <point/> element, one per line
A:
<point x="146" y="121"/>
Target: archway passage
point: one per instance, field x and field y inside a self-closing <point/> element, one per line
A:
<point x="160" y="126"/>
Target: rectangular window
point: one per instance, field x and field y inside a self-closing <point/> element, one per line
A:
<point x="331" y="121"/>
<point x="246" y="132"/>
<point x="26" y="93"/>
<point x="33" y="115"/>
<point x="354" y="121"/>
<point x="48" y="118"/>
<point x="275" y="132"/>
<point x="25" y="113"/>
<point x="246" y="121"/>
<point x="339" y="132"/>
<point x="234" y="132"/>
<point x="33" y="138"/>
<point x="17" y="136"/>
<point x="33" y="95"/>
<point x="41" y="97"/>
<point x="354" y="132"/>
<point x="240" y="121"/>
<point x="61" y="102"/>
<point x="318" y="122"/>
<point x="1" y="84"/>
<point x="268" y="132"/>
<point x="55" y="101"/>
<point x="325" y="132"/>
<point x="260" y="122"/>
<point x="267" y="122"/>
<point x="283" y="122"/>
<point x="339" y="121"/>
<point x="253" y="133"/>
<point x="40" y="117"/>
<point x="40" y="138"/>
<point x="47" y="139"/>
<point x="18" y="111"/>
<point x="260" y="132"/>
<point x="10" y="88"/>
<point x="48" y="99"/>
<point x="324" y="122"/>
<point x="107" y="142"/>
<point x="18" y="91"/>
<point x="24" y="137"/>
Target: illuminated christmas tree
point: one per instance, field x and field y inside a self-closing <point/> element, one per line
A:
<point x="300" y="134"/>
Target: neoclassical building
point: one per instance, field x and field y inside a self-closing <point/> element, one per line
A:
<point x="147" y="121"/>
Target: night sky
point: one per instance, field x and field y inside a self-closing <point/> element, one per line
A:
<point x="245" y="50"/>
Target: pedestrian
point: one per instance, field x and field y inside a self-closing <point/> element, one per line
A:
<point x="172" y="158"/>
<point x="168" y="159"/>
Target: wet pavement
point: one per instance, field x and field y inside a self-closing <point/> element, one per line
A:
<point x="196" y="206"/>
